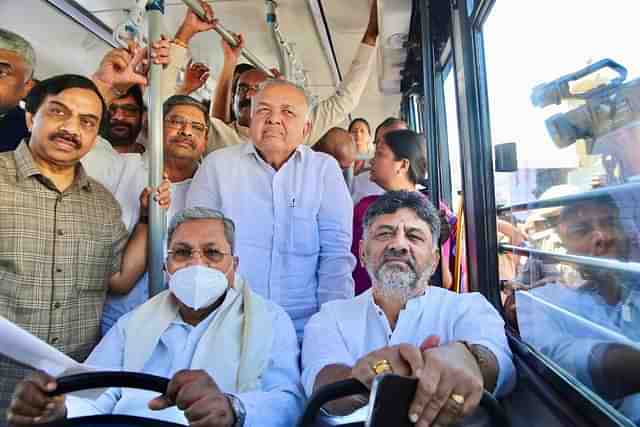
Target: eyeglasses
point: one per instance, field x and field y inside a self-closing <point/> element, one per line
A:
<point x="244" y="88"/>
<point x="186" y="254"/>
<point x="177" y="122"/>
<point x="127" y="109"/>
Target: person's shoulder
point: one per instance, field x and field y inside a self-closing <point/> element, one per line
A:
<point x="102" y="195"/>
<point x="7" y="163"/>
<point x="224" y="155"/>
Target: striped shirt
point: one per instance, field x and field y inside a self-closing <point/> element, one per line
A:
<point x="56" y="253"/>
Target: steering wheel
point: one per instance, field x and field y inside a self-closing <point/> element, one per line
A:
<point x="107" y="379"/>
<point x="352" y="387"/>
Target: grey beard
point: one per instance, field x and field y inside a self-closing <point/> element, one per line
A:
<point x="392" y="282"/>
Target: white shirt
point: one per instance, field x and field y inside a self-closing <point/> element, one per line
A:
<point x="122" y="174"/>
<point x="344" y="331"/>
<point x="567" y="324"/>
<point x="293" y="226"/>
<point x="364" y="187"/>
<point x="279" y="400"/>
<point x="117" y="305"/>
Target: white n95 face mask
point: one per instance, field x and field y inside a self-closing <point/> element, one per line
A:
<point x="198" y="286"/>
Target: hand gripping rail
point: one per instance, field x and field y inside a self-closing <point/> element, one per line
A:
<point x="229" y="38"/>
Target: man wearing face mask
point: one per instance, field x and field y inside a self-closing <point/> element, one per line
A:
<point x="184" y="138"/>
<point x="241" y="372"/>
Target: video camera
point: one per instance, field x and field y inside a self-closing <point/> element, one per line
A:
<point x="606" y="107"/>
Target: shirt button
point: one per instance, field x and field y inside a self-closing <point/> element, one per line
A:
<point x="56" y="305"/>
<point x="58" y="270"/>
<point x="60" y="232"/>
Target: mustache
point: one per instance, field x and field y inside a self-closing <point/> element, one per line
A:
<point x="67" y="136"/>
<point x="391" y="254"/>
<point x="116" y="123"/>
<point x="178" y="139"/>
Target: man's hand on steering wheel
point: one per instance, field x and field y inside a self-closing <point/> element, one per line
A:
<point x="450" y="386"/>
<point x="198" y="395"/>
<point x="31" y="404"/>
<point x="402" y="359"/>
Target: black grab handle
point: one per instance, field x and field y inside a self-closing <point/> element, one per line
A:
<point x="107" y="379"/>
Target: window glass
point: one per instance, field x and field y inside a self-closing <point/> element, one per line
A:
<point x="453" y="140"/>
<point x="575" y="119"/>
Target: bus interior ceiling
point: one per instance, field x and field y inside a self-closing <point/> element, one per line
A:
<point x="64" y="46"/>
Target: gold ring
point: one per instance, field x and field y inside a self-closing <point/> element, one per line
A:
<point x="381" y="366"/>
<point x="458" y="398"/>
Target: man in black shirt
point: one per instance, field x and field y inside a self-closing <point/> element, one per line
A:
<point x="17" y="62"/>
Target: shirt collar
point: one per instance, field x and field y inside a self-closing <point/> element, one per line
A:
<point x="27" y="167"/>
<point x="413" y="305"/>
<point x="300" y="151"/>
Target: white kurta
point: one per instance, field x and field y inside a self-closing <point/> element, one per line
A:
<point x="278" y="402"/>
<point x="344" y="331"/>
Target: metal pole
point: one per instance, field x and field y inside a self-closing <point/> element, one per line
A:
<point x="226" y="34"/>
<point x="157" y="227"/>
<point x="272" y="23"/>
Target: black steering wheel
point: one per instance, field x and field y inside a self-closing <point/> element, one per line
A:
<point x="352" y="387"/>
<point x="107" y="379"/>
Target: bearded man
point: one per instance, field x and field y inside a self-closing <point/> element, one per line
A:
<point x="403" y="325"/>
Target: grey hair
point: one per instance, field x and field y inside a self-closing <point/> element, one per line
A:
<point x="393" y="201"/>
<point x="20" y="46"/>
<point x="190" y="214"/>
<point x="277" y="82"/>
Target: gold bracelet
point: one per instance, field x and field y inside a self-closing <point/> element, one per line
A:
<point x="179" y="43"/>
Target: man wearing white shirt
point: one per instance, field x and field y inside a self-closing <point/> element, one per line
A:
<point x="186" y="124"/>
<point x="252" y="379"/>
<point x="404" y="326"/>
<point x="291" y="205"/>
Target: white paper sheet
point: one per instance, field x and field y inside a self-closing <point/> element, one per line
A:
<point x="25" y="348"/>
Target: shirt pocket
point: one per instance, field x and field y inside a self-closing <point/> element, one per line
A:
<point x="304" y="238"/>
<point x="92" y="264"/>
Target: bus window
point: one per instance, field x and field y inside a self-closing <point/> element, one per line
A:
<point x="453" y="141"/>
<point x="564" y="85"/>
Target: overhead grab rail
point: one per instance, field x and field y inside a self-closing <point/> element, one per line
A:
<point x="229" y="38"/>
<point x="606" y="263"/>
<point x="566" y="200"/>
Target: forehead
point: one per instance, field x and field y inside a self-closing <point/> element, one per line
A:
<point x="12" y="58"/>
<point x="197" y="232"/>
<point x="80" y="101"/>
<point x="189" y="111"/>
<point x="403" y="218"/>
<point x="125" y="100"/>
<point x="281" y="94"/>
<point x="252" y="77"/>
<point x="359" y="126"/>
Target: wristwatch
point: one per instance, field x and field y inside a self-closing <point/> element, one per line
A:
<point x="239" y="412"/>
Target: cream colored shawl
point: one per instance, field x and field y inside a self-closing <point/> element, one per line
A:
<point x="235" y="349"/>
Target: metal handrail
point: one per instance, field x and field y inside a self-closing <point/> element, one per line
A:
<point x="565" y="200"/>
<point x="606" y="263"/>
<point x="229" y="38"/>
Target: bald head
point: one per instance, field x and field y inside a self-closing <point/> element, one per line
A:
<point x="339" y="144"/>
